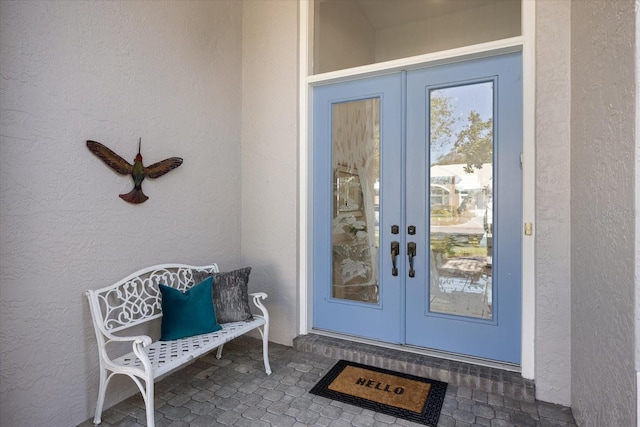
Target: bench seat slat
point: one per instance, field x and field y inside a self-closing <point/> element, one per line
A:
<point x="166" y="356"/>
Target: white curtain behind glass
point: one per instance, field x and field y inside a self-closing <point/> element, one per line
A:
<point x="355" y="131"/>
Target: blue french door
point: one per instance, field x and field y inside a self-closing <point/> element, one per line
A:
<point x="357" y="152"/>
<point x="464" y="295"/>
<point x="417" y="193"/>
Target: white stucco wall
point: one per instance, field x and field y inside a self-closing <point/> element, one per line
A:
<point x="553" y="192"/>
<point x="637" y="211"/>
<point x="168" y="72"/>
<point x="603" y="144"/>
<point x="343" y="37"/>
<point x="270" y="156"/>
<point x="476" y="25"/>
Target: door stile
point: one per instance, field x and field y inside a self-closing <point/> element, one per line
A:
<point x="403" y="201"/>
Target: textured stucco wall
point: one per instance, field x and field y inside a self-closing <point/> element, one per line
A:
<point x="603" y="107"/>
<point x="168" y="72"/>
<point x="269" y="156"/>
<point x="553" y="231"/>
<point x="343" y="37"/>
<point x="492" y="21"/>
<point x="637" y="209"/>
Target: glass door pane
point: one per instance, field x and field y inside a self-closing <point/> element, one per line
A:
<point x="356" y="181"/>
<point x="461" y="200"/>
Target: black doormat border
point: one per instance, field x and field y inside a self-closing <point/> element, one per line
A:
<point x="429" y="416"/>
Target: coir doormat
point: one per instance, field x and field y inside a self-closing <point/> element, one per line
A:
<point x="393" y="393"/>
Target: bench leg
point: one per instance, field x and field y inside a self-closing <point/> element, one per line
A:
<point x="149" y="404"/>
<point x="219" y="352"/>
<point x="265" y="348"/>
<point x="104" y="380"/>
<point x="147" y="393"/>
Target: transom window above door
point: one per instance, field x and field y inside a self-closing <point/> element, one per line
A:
<point x="351" y="33"/>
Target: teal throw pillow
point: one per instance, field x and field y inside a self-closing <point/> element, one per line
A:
<point x="185" y="314"/>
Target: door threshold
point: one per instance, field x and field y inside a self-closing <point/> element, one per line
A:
<point x="487" y="376"/>
<point x="455" y="357"/>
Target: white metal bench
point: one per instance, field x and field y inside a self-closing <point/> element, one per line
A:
<point x="136" y="300"/>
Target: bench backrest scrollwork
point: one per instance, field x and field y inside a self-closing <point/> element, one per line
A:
<point x="136" y="299"/>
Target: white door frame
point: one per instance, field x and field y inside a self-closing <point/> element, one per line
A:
<point x="524" y="43"/>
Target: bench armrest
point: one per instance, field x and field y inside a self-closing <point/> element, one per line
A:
<point x="138" y="343"/>
<point x="257" y="301"/>
<point x="143" y="340"/>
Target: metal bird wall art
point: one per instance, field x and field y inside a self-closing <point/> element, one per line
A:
<point x="136" y="170"/>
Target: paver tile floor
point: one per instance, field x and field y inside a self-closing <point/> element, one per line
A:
<point x="235" y="391"/>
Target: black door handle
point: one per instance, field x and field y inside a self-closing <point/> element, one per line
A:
<point x="395" y="251"/>
<point x="411" y="252"/>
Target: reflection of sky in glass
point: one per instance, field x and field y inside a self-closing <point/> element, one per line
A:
<point x="461" y="215"/>
<point x="476" y="97"/>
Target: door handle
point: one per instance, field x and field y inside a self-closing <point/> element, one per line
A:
<point x="395" y="251"/>
<point x="411" y="252"/>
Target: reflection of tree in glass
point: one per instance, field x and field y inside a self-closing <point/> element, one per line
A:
<point x="442" y="121"/>
<point x="473" y="142"/>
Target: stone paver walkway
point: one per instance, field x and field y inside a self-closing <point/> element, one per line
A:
<point x="235" y="391"/>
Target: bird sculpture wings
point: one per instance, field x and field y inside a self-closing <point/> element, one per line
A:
<point x="158" y="169"/>
<point x="112" y="160"/>
<point x="136" y="170"/>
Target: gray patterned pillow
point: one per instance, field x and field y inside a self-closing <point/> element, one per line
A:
<point x="231" y="295"/>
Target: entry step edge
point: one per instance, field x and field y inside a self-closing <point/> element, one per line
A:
<point x="491" y="380"/>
